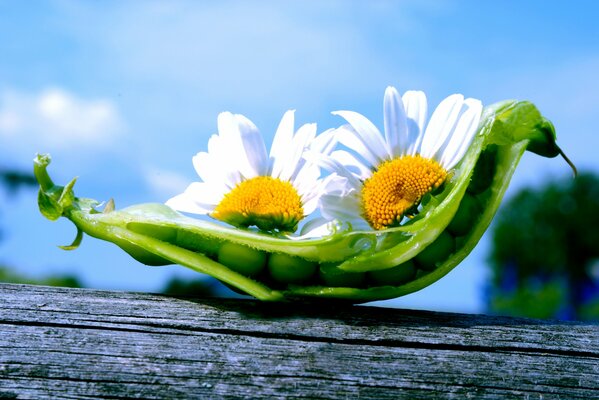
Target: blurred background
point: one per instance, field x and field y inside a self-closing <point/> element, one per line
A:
<point x="123" y="94"/>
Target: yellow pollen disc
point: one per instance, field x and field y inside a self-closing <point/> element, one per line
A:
<point x="266" y="202"/>
<point x="397" y="186"/>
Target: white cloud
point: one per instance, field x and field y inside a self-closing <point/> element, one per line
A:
<point x="56" y="118"/>
<point x="165" y="184"/>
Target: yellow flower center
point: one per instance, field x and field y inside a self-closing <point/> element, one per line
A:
<point x="397" y="186"/>
<point x="266" y="202"/>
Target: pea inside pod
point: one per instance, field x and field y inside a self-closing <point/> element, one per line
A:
<point x="348" y="264"/>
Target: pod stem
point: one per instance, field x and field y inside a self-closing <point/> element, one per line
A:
<point x="570" y="163"/>
<point x="40" y="164"/>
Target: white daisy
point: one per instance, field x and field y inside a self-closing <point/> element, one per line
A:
<point x="244" y="186"/>
<point x="387" y="176"/>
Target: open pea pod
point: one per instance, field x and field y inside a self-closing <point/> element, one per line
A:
<point x="357" y="266"/>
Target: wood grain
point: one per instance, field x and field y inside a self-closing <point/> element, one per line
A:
<point x="81" y="343"/>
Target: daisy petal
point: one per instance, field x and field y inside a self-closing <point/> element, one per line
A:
<point x="350" y="162"/>
<point x="253" y="146"/>
<point x="346" y="209"/>
<point x="317" y="227"/>
<point x="212" y="166"/>
<point x="346" y="136"/>
<point x="183" y="203"/>
<point x="231" y="147"/>
<point x="325" y="142"/>
<point x="416" y="111"/>
<point x="213" y="170"/>
<point x="207" y="167"/>
<point x="342" y="208"/>
<point x="306" y="178"/>
<point x="294" y="160"/>
<point x="367" y="133"/>
<point x="334" y="166"/>
<point x="282" y="143"/>
<point x="198" y="198"/>
<point x="441" y="125"/>
<point x="215" y="145"/>
<point x="464" y="132"/>
<point x="205" y="194"/>
<point x="310" y="205"/>
<point x="396" y="125"/>
<point x="339" y="185"/>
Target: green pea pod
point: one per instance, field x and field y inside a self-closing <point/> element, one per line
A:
<point x="357" y="266"/>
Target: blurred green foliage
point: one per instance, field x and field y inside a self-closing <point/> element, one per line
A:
<point x="13" y="180"/>
<point x="7" y="275"/>
<point x="545" y="252"/>
<point x="203" y="287"/>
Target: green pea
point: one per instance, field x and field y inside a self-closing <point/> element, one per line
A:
<point x="164" y="233"/>
<point x="288" y="269"/>
<point x="393" y="276"/>
<point x="466" y="215"/>
<point x="242" y="259"/>
<point x="484" y="170"/>
<point x="195" y="242"/>
<point x="180" y="237"/>
<point x="332" y="276"/>
<point x="141" y="255"/>
<point x="436" y="252"/>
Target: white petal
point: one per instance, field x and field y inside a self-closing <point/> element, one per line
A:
<point x="311" y="195"/>
<point x="227" y="129"/>
<point x="334" y="166"/>
<point x="205" y="194"/>
<point x="198" y="198"/>
<point x="325" y="142"/>
<point x="338" y="185"/>
<point x="441" y="125"/>
<point x="211" y="169"/>
<point x="243" y="147"/>
<point x="231" y="174"/>
<point x="352" y="163"/>
<point x="317" y="227"/>
<point x="346" y="136"/>
<point x="233" y="153"/>
<point x="215" y="145"/>
<point x="214" y="166"/>
<point x="220" y="155"/>
<point x="342" y="208"/>
<point x="253" y="146"/>
<point x="333" y="184"/>
<point x="282" y="143"/>
<point x="396" y="126"/>
<point x="311" y="205"/>
<point x="416" y="111"/>
<point x="465" y="130"/>
<point x="183" y="203"/>
<point x="306" y="178"/>
<point x="367" y="133"/>
<point x="346" y="209"/>
<point x="203" y="166"/>
<point x="304" y="135"/>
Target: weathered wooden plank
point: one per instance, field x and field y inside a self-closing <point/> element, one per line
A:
<point x="327" y="321"/>
<point x="87" y="343"/>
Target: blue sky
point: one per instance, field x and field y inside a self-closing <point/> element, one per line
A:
<point x="123" y="94"/>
